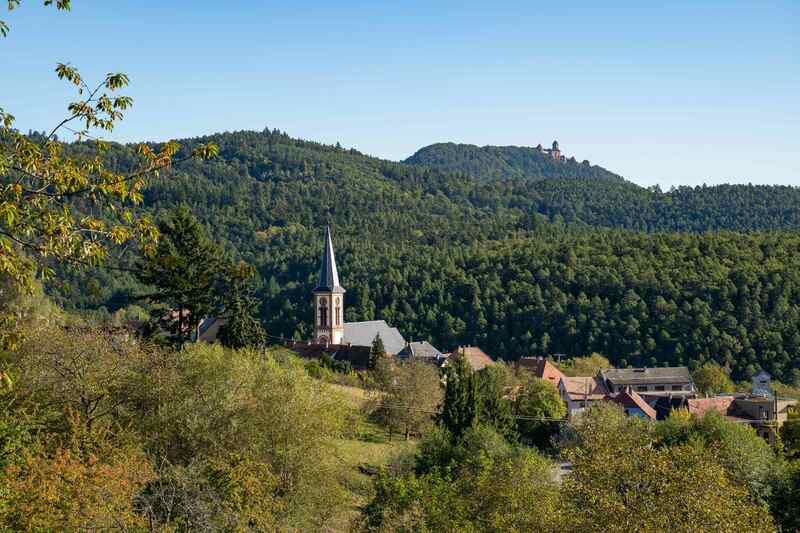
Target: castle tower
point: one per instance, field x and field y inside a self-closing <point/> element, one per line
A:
<point x="556" y="152"/>
<point x="328" y="299"/>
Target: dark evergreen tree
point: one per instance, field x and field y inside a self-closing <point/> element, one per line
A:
<point x="461" y="406"/>
<point x="241" y="328"/>
<point x="185" y="272"/>
<point x="377" y="352"/>
<point x="495" y="407"/>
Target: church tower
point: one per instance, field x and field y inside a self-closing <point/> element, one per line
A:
<point x="328" y="299"/>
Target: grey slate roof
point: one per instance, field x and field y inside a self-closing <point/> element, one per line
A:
<point x="420" y="349"/>
<point x="328" y="274"/>
<point x="363" y="333"/>
<point x="644" y="376"/>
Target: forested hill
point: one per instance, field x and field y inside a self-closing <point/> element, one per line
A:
<point x="518" y="267"/>
<point x="305" y="180"/>
<point x="583" y="194"/>
<point x="505" y="162"/>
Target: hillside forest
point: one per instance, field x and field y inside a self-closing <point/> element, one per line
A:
<point x="500" y="247"/>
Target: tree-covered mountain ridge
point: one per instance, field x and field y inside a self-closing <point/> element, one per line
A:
<point x="519" y="267"/>
<point x="565" y="191"/>
<point x="506" y="162"/>
<point x="592" y="195"/>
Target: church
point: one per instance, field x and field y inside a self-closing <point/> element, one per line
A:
<point x="352" y="341"/>
<point x="330" y="329"/>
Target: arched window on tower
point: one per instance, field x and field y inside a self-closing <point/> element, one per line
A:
<point x="338" y="312"/>
<point x="323" y="312"/>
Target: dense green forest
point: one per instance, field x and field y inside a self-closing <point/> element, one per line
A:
<point x="505" y="162"/>
<point x="536" y="262"/>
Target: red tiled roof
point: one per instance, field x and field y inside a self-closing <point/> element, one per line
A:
<point x="701" y="406"/>
<point x="357" y="356"/>
<point x="629" y="399"/>
<point x="542" y="368"/>
<point x="584" y="388"/>
<point x="476" y="357"/>
<point x="308" y="350"/>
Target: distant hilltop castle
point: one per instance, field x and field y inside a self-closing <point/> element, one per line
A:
<point x="554" y="152"/>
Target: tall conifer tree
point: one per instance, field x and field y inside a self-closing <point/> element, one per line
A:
<point x="377" y="352"/>
<point x="461" y="407"/>
<point x="185" y="271"/>
<point x="242" y="328"/>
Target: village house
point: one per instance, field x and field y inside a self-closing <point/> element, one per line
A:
<point x="541" y="368"/>
<point x="650" y="382"/>
<point x="633" y="404"/>
<point x="209" y="328"/>
<point x="761" y="408"/>
<point x="579" y="393"/>
<point x="422" y="351"/>
<point x="477" y="358"/>
<point x="649" y="393"/>
<point x="357" y="357"/>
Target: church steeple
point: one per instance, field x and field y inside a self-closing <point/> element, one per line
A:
<point x="328" y="299"/>
<point x="328" y="274"/>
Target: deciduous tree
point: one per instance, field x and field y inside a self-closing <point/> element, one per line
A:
<point x="539" y="407"/>
<point x="712" y="379"/>
<point x="43" y="183"/>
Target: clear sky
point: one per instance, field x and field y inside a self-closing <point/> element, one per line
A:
<point x="685" y="92"/>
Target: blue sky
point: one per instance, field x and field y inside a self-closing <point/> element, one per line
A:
<point x="682" y="93"/>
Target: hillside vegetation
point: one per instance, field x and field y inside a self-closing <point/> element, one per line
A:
<point x="520" y="265"/>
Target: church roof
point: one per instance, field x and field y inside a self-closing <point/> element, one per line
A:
<point x="363" y="333"/>
<point x="328" y="274"/>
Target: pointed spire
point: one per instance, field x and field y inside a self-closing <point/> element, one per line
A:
<point x="328" y="274"/>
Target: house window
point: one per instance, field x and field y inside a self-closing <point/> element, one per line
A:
<point x="659" y="387"/>
<point x="641" y="388"/>
<point x="677" y="387"/>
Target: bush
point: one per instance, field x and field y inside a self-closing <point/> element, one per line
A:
<point x="266" y="409"/>
<point x="480" y="484"/>
<point x="746" y="457"/>
<point x="80" y="481"/>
